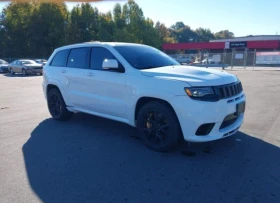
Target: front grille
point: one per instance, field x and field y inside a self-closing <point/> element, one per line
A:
<point x="230" y="90"/>
<point x="37" y="68"/>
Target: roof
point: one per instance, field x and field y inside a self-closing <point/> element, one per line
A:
<point x="250" y="38"/>
<point x="99" y="43"/>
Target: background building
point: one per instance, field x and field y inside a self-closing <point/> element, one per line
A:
<point x="249" y="50"/>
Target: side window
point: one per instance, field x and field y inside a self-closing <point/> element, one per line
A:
<point x="78" y="58"/>
<point x="60" y="58"/>
<point x="98" y="55"/>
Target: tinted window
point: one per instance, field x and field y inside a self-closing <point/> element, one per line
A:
<point x="26" y="62"/>
<point x="78" y="58"/>
<point x="98" y="55"/>
<point x="60" y="58"/>
<point x="144" y="57"/>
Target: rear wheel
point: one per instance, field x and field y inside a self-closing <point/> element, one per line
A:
<point x="158" y="127"/>
<point x="57" y="106"/>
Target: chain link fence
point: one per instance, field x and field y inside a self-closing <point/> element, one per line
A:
<point x="231" y="59"/>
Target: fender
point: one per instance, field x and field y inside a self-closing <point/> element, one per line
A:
<point x="145" y="92"/>
<point x="55" y="82"/>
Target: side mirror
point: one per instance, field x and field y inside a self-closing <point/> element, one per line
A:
<point x="110" y="64"/>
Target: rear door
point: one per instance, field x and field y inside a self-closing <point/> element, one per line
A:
<point x="74" y="76"/>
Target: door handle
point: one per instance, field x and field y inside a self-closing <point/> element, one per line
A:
<point x="90" y="74"/>
<point x="63" y="71"/>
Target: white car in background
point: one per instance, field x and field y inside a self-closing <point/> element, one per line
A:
<point x="145" y="88"/>
<point x="185" y="59"/>
<point x="4" y="66"/>
<point x="215" y="59"/>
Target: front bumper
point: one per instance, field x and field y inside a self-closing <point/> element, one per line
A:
<point x="4" y="69"/>
<point x="34" y="71"/>
<point x="192" y="114"/>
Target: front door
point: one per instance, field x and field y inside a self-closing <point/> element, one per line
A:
<point x="106" y="88"/>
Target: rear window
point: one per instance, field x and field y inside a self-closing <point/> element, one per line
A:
<point x="79" y="58"/>
<point x="60" y="58"/>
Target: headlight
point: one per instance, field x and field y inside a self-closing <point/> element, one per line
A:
<point x="202" y="93"/>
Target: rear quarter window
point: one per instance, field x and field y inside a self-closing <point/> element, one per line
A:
<point x="60" y="58"/>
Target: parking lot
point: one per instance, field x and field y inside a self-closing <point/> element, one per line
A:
<point x="91" y="159"/>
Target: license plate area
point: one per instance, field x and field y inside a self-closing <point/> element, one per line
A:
<point x="240" y="108"/>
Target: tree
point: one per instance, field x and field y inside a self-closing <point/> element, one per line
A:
<point x="106" y="27"/>
<point x="84" y="22"/>
<point x="118" y="17"/>
<point x="16" y="25"/>
<point x="178" y="26"/>
<point x="164" y="33"/>
<point x="47" y="29"/>
<point x="184" y="34"/>
<point x="204" y="35"/>
<point x="224" y="34"/>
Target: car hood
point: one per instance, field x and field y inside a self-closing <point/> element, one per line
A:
<point x="195" y="76"/>
<point x="4" y="65"/>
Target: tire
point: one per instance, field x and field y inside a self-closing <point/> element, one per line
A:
<point x="11" y="71"/>
<point x="158" y="126"/>
<point x="23" y="71"/>
<point x="57" y="106"/>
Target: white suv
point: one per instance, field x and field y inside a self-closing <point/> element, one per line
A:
<point x="145" y="88"/>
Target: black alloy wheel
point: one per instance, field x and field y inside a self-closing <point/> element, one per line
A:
<point x="158" y="126"/>
<point x="57" y="106"/>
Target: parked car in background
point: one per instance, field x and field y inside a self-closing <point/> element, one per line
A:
<point x="215" y="59"/>
<point x="185" y="59"/>
<point x="41" y="61"/>
<point x="25" y="66"/>
<point x="3" y="66"/>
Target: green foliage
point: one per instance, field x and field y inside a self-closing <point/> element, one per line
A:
<point x="224" y="34"/>
<point x="36" y="29"/>
<point x="204" y="35"/>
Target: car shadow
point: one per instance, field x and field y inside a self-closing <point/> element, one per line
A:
<point x="91" y="159"/>
<point x="19" y="75"/>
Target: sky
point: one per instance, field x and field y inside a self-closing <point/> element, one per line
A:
<point x="242" y="17"/>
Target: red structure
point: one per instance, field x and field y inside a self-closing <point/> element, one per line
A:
<point x="268" y="42"/>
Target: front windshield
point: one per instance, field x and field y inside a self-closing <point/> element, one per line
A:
<point x="144" y="57"/>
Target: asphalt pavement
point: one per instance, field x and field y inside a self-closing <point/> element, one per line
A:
<point x="91" y="159"/>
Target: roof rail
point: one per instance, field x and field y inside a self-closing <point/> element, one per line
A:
<point x="93" y="42"/>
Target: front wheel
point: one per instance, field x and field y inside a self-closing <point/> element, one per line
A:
<point x="11" y="71"/>
<point x="158" y="127"/>
<point x="57" y="106"/>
